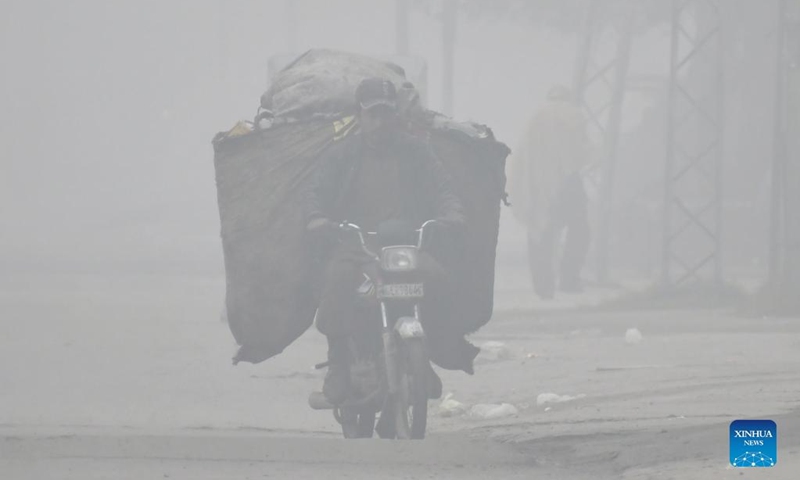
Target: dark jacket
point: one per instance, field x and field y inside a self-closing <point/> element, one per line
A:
<point x="420" y="173"/>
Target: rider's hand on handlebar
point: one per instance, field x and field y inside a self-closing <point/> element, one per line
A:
<point x="454" y="224"/>
<point x="321" y="224"/>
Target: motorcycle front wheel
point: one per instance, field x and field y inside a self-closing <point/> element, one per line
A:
<point x="356" y="424"/>
<point x="411" y="401"/>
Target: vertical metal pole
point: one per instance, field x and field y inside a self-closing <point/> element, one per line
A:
<point x="291" y="26"/>
<point x="222" y="43"/>
<point x="719" y="157"/>
<point x="611" y="141"/>
<point x="779" y="152"/>
<point x="449" y="23"/>
<point x="703" y="124"/>
<point x="790" y="175"/>
<point x="584" y="54"/>
<point x="593" y="70"/>
<point x="669" y="165"/>
<point x="401" y="27"/>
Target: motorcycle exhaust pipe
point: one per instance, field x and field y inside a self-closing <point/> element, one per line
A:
<point x="317" y="401"/>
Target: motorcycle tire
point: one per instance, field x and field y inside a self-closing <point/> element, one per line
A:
<point x="411" y="402"/>
<point x="356" y="424"/>
<point x="366" y="424"/>
<point x="348" y="419"/>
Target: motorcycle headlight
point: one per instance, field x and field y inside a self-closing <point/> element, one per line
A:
<point x="399" y="259"/>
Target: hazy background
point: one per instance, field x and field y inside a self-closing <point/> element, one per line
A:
<point x="109" y="109"/>
<point x="113" y="361"/>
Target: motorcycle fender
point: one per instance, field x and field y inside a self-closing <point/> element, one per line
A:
<point x="409" y="327"/>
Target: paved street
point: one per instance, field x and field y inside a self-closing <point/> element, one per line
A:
<point x="130" y="377"/>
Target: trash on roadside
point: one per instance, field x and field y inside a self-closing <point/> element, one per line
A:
<point x="631" y="367"/>
<point x="546" y="398"/>
<point x="494" y="351"/>
<point x="633" y="336"/>
<point x="450" y="407"/>
<point x="491" y="411"/>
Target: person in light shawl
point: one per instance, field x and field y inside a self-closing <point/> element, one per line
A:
<point x="547" y="192"/>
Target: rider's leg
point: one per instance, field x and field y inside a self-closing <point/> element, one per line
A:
<point x="335" y="317"/>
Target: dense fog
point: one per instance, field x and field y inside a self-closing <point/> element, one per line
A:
<point x="113" y="277"/>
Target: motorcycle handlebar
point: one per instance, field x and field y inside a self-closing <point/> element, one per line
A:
<point x="421" y="230"/>
<point x="351" y="227"/>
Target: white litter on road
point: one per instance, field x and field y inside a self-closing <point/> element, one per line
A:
<point x="546" y="398"/>
<point x="491" y="412"/>
<point x="495" y="351"/>
<point x="631" y="367"/>
<point x="450" y="407"/>
<point x="633" y="336"/>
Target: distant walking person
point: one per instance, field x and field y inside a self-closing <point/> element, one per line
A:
<point x="547" y="193"/>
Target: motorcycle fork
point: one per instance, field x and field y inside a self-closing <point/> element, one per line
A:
<point x="390" y="349"/>
<point x="389" y="352"/>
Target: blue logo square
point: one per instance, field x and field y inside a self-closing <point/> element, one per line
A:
<point x="754" y="443"/>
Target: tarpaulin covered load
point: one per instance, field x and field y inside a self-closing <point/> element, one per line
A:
<point x="262" y="177"/>
<point x="323" y="83"/>
<point x="476" y="162"/>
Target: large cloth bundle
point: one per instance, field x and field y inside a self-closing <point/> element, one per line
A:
<point x="263" y="175"/>
<point x="323" y="82"/>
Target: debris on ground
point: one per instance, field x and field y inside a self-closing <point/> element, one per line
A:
<point x="631" y="367"/>
<point x="495" y="351"/>
<point x="546" y="398"/>
<point x="493" y="411"/>
<point x="451" y="407"/>
<point x="633" y="336"/>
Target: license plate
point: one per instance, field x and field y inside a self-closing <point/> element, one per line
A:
<point x="401" y="290"/>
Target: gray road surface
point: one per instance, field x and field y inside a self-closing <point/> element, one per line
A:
<point x="130" y="378"/>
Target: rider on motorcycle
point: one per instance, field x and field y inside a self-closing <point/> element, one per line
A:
<point x="375" y="175"/>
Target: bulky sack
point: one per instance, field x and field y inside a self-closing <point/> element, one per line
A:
<point x="323" y="83"/>
<point x="264" y="174"/>
<point x="262" y="178"/>
<point x="477" y="166"/>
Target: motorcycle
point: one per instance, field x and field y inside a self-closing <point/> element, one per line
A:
<point x="390" y="371"/>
